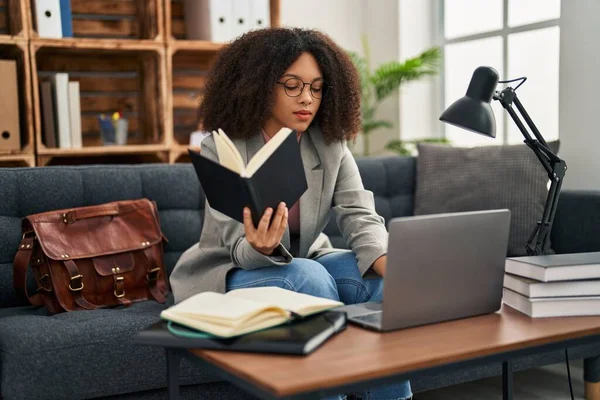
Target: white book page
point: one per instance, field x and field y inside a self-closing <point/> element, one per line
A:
<point x="217" y="308"/>
<point x="238" y="157"/>
<point x="263" y="320"/>
<point x="299" y="303"/>
<point x="228" y="157"/>
<point x="265" y="152"/>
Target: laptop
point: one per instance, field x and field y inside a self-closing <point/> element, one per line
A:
<point x="440" y="267"/>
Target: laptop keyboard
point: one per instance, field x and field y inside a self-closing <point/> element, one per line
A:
<point x="373" y="319"/>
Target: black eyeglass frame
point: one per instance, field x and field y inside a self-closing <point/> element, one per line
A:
<point x="323" y="81"/>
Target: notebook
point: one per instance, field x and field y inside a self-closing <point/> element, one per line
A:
<point x="244" y="310"/>
<point x="299" y="337"/>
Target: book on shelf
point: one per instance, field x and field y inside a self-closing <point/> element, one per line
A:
<point x="552" y="306"/>
<point x="299" y="337"/>
<point x="66" y="18"/>
<point x="60" y="90"/>
<point x="242" y="311"/>
<point x="556" y="267"/>
<point x="274" y="174"/>
<point x="60" y="105"/>
<point x="75" y="115"/>
<point x="48" y="113"/>
<point x="531" y="288"/>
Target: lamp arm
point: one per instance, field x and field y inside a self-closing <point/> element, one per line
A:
<point x="554" y="166"/>
<point x="545" y="148"/>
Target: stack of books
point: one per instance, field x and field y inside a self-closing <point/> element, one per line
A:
<point x="554" y="285"/>
<point x="61" y="111"/>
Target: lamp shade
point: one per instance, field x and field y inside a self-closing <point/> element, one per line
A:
<point x="473" y="112"/>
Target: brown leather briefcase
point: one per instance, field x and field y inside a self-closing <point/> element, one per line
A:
<point x="92" y="257"/>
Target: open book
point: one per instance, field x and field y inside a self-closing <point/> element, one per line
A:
<point x="246" y="310"/>
<point x="274" y="174"/>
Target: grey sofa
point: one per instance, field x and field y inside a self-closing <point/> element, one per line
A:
<point x="89" y="354"/>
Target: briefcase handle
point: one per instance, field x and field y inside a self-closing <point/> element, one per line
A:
<point x="91" y="212"/>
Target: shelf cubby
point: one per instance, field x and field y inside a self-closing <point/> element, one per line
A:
<point x="128" y="78"/>
<point x="111" y="19"/>
<point x="13" y="19"/>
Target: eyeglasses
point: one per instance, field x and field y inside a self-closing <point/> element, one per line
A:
<point x="294" y="87"/>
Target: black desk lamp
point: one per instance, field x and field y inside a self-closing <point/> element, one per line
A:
<point x="474" y="113"/>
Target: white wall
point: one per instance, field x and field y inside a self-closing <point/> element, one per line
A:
<point x="420" y="100"/>
<point x="340" y="19"/>
<point x="579" y="88"/>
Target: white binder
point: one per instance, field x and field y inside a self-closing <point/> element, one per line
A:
<point x="75" y="115"/>
<point x="260" y="14"/>
<point x="221" y="15"/>
<point x="240" y="21"/>
<point x="60" y="83"/>
<point x="47" y="17"/>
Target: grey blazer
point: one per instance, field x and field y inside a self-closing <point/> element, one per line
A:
<point x="333" y="182"/>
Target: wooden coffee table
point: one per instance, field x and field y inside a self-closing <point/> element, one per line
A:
<point x="357" y="359"/>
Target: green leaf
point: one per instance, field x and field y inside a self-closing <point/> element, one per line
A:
<point x="389" y="76"/>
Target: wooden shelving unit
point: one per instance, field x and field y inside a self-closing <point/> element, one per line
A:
<point x="128" y="55"/>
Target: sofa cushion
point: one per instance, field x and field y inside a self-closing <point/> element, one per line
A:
<point x="45" y="356"/>
<point x="454" y="179"/>
<point x="26" y="191"/>
<point x="392" y="181"/>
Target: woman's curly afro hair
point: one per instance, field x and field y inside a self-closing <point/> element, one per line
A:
<point x="239" y="92"/>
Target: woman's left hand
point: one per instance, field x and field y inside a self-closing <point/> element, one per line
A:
<point x="379" y="265"/>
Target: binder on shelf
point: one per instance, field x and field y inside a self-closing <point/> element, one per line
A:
<point x="75" y="115"/>
<point x="10" y="137"/>
<point x="66" y="18"/>
<point x="48" y="120"/>
<point x="60" y="89"/>
<point x="260" y="14"/>
<point x="240" y="21"/>
<point x="208" y="20"/>
<point x="48" y="18"/>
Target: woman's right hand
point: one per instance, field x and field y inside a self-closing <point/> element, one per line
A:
<point x="265" y="238"/>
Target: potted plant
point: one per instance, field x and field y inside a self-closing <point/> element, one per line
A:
<point x="377" y="85"/>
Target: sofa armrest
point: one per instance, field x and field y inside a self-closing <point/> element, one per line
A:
<point x="577" y="222"/>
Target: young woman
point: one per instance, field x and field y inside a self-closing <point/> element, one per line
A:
<point x="300" y="79"/>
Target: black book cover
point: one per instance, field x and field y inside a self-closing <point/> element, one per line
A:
<point x="280" y="178"/>
<point x="300" y="337"/>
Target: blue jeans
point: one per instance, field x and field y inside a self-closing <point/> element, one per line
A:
<point x="334" y="276"/>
